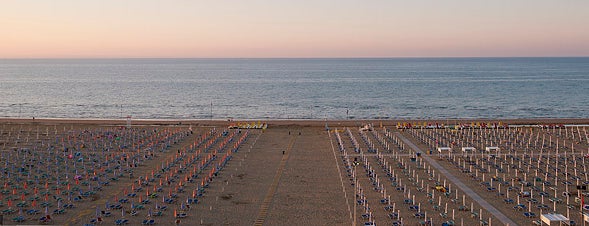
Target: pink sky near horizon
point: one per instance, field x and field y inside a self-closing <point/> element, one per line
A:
<point x="303" y="28"/>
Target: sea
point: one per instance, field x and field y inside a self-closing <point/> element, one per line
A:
<point x="258" y="89"/>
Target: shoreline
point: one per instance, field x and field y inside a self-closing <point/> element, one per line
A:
<point x="286" y="122"/>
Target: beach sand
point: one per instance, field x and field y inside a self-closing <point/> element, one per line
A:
<point x="292" y="173"/>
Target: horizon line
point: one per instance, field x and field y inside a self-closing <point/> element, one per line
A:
<point x="392" y="57"/>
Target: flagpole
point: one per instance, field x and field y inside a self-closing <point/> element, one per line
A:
<point x="355" y="193"/>
<point x="581" y="188"/>
<point x="347" y="113"/>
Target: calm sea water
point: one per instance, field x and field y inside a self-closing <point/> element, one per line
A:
<point x="416" y="88"/>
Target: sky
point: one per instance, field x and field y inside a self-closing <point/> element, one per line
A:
<point x="294" y="28"/>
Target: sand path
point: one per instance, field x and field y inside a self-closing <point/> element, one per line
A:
<point x="309" y="191"/>
<point x="473" y="195"/>
<point x="272" y="191"/>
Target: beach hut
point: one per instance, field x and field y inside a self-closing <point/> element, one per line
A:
<point x="492" y="149"/>
<point x="554" y="219"/>
<point x="441" y="150"/>
<point x="468" y="150"/>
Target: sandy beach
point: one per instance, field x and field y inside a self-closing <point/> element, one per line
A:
<point x="294" y="172"/>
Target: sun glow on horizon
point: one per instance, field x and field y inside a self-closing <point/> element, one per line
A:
<point x="257" y="28"/>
